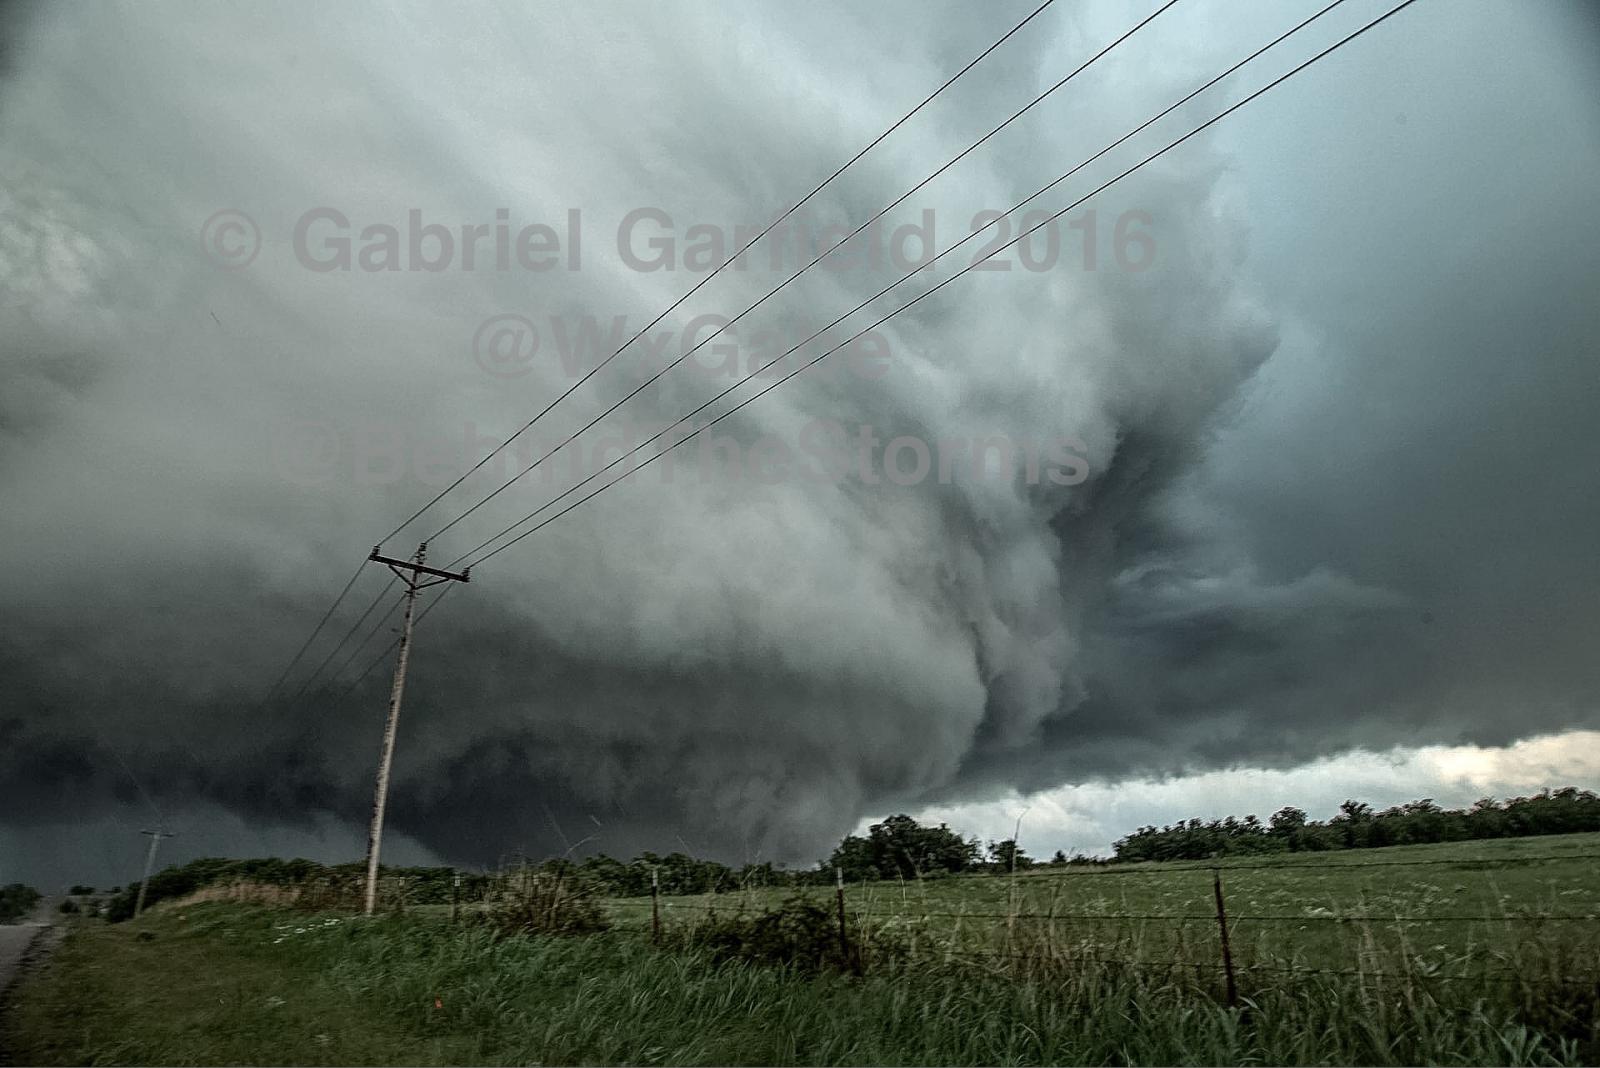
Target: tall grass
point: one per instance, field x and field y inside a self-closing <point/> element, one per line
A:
<point x="614" y="999"/>
<point x="254" y="980"/>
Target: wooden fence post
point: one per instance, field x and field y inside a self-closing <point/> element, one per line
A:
<point x="1222" y="928"/>
<point x="655" y="906"/>
<point x="455" y="898"/>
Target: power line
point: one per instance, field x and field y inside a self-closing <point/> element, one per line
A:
<point x="786" y="214"/>
<point x="306" y="685"/>
<point x="725" y="264"/>
<point x="360" y="647"/>
<point x="818" y="259"/>
<point x="381" y="657"/>
<point x="972" y="236"/>
<point x="161" y="818"/>
<point x="323" y="622"/>
<point x="1020" y="237"/>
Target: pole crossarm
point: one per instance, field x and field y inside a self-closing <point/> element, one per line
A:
<point x="416" y="567"/>
<point x="149" y="865"/>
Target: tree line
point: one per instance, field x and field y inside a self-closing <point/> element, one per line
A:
<point x="423" y="886"/>
<point x="897" y="848"/>
<point x="901" y="848"/>
<point x="1357" y="826"/>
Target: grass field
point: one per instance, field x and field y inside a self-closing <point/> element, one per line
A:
<point x="229" y="983"/>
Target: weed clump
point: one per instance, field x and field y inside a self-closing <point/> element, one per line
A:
<point x="799" y="933"/>
<point x="535" y="902"/>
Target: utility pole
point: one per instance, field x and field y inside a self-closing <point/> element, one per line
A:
<point x="149" y="866"/>
<point x="410" y="572"/>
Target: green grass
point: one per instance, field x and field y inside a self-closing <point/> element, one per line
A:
<point x="238" y="984"/>
<point x="231" y="983"/>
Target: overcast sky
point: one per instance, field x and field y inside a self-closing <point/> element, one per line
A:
<point x="1329" y="389"/>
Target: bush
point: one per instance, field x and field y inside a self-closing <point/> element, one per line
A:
<point x="526" y="901"/>
<point x="16" y="901"/>
<point x="69" y="906"/>
<point x="798" y="932"/>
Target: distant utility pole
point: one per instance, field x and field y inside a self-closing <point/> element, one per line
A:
<point x="410" y="572"/>
<point x="149" y="866"/>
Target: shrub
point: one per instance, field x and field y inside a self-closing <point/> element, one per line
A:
<point x="16" y="901"/>
<point x="526" y="901"/>
<point x="798" y="932"/>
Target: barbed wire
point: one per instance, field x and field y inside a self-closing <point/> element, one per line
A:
<point x="1170" y="867"/>
<point x="1077" y="917"/>
<point x="1502" y="976"/>
<point x="1173" y="868"/>
<point x="749" y="899"/>
<point x="746" y="900"/>
<point x="1133" y="917"/>
<point x="997" y="947"/>
<point x="1506" y="976"/>
<point x="736" y="905"/>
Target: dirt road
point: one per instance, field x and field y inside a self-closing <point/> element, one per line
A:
<point x="16" y="938"/>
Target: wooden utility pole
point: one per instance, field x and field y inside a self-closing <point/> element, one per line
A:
<point x="149" y="866"/>
<point x="410" y="572"/>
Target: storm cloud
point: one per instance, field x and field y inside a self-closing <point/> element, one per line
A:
<point x="1338" y="433"/>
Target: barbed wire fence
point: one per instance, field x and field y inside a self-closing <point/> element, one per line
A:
<point x="1042" y="947"/>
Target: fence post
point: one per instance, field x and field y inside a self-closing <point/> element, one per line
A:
<point x="844" y="930"/>
<point x="1222" y="928"/>
<point x="455" y="898"/>
<point x="655" y="906"/>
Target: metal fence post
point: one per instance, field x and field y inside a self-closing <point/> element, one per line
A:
<point x="844" y="930"/>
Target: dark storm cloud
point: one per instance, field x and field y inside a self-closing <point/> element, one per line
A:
<point x="1338" y="443"/>
<point x="1384" y="544"/>
<point x="14" y="16"/>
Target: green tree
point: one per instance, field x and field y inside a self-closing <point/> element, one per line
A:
<point x="1006" y="855"/>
